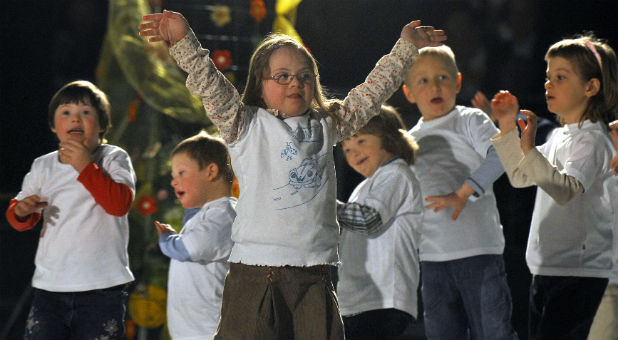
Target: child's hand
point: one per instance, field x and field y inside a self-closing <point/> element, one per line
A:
<point x="481" y="102"/>
<point x="29" y="205"/>
<point x="528" y="131"/>
<point x="162" y="228"/>
<point x="167" y="26"/>
<point x="422" y="36"/>
<point x="74" y="153"/>
<point x="504" y="108"/>
<point x="445" y="201"/>
<point x="613" y="132"/>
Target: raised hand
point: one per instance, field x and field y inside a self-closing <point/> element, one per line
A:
<point x="481" y="102"/>
<point x="167" y="26"/>
<point x="528" y="130"/>
<point x="29" y="205"/>
<point x="74" y="153"/>
<point x="504" y="107"/>
<point x="162" y="228"/>
<point x="422" y="36"/>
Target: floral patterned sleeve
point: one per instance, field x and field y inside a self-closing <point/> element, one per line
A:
<point x="219" y="97"/>
<point x="364" y="101"/>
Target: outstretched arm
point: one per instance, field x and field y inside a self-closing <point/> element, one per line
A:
<point x="220" y="98"/>
<point x="364" y="101"/>
<point x="168" y="26"/>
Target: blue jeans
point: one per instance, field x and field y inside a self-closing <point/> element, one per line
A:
<point x="94" y="314"/>
<point x="467" y="298"/>
<point x="563" y="307"/>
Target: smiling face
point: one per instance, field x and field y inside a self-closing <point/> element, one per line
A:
<point x="190" y="183"/>
<point x="293" y="99"/>
<point x="433" y="85"/>
<point x="77" y="121"/>
<point x="565" y="91"/>
<point x="365" y="154"/>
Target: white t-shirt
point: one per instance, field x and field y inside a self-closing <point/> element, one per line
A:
<point x="382" y="271"/>
<point x="287" y="210"/>
<point x="81" y="246"/>
<point x="451" y="148"/>
<point x="575" y="239"/>
<point x="195" y="287"/>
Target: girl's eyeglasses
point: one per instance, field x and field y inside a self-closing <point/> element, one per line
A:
<point x="285" y="78"/>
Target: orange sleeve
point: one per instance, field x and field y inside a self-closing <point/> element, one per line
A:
<point x="115" y="198"/>
<point x="21" y="225"/>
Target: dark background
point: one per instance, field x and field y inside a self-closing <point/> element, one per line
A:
<point x="499" y="44"/>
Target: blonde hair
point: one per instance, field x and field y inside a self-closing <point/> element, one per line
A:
<point x="443" y="52"/>
<point x="389" y="127"/>
<point x="604" y="105"/>
<point x="259" y="64"/>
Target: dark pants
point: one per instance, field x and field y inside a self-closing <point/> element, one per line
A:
<point x="94" y="314"/>
<point x="377" y="324"/>
<point x="467" y="298"/>
<point x="563" y="307"/>
<point x="261" y="302"/>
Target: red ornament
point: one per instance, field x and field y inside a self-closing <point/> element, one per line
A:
<point x="258" y="10"/>
<point x="147" y="205"/>
<point x="222" y="59"/>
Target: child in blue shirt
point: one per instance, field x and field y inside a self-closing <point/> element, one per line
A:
<point x="201" y="178"/>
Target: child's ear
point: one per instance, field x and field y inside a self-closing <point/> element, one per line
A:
<point x="592" y="87"/>
<point x="212" y="171"/>
<point x="408" y="94"/>
<point x="458" y="82"/>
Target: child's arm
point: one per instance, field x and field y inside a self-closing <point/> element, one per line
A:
<point x="525" y="165"/>
<point x="376" y="208"/>
<point x="115" y="198"/>
<point x="487" y="173"/>
<point x="22" y="215"/>
<point x="171" y="243"/>
<point x="219" y="97"/>
<point x="359" y="218"/>
<point x="364" y="101"/>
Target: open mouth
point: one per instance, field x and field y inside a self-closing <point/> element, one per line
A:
<point x="180" y="194"/>
<point x="437" y="100"/>
<point x="361" y="161"/>
<point x="76" y="132"/>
